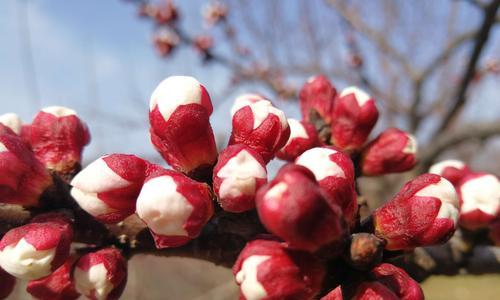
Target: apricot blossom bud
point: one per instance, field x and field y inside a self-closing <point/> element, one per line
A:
<point x="7" y="283"/>
<point x="12" y="121"/>
<point x="35" y="250"/>
<point x="452" y="169"/>
<point x="267" y="270"/>
<point x="398" y="281"/>
<point x="334" y="172"/>
<point x="101" y="275"/>
<point x="303" y="136"/>
<point x="354" y="116"/>
<point x="57" y="286"/>
<point x="23" y="178"/>
<point x="317" y="96"/>
<point x="296" y="209"/>
<point x="174" y="207"/>
<point x="423" y="213"/>
<point x="259" y="125"/>
<point x="238" y="174"/>
<point x="392" y="151"/>
<point x="108" y="188"/>
<point x="479" y="200"/>
<point x="180" y="130"/>
<point x="57" y="137"/>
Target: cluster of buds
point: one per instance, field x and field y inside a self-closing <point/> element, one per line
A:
<point x="268" y="270"/>
<point x="214" y="13"/>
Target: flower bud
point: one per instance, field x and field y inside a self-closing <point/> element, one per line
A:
<point x="57" y="286"/>
<point x="453" y="170"/>
<point x="393" y="151"/>
<point x="267" y="270"/>
<point x="423" y="213"/>
<point x="12" y="121"/>
<point x="108" y="188"/>
<point x="334" y="172"/>
<point x="479" y="200"/>
<point x="259" y="125"/>
<point x="23" y="178"/>
<point x="354" y="116"/>
<point x="295" y="208"/>
<point x="101" y="275"/>
<point x="374" y="291"/>
<point x="317" y="97"/>
<point x="174" y="207"/>
<point x="238" y="174"/>
<point x="180" y="130"/>
<point x="37" y="249"/>
<point x="57" y="136"/>
<point x="7" y="283"/>
<point x="303" y="136"/>
<point x="398" y="281"/>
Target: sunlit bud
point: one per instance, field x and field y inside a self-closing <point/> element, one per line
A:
<point x="101" y="275"/>
<point x="354" y="116"/>
<point x="266" y="270"/>
<point x="108" y="188"/>
<point x="393" y="151"/>
<point x="316" y="98"/>
<point x="479" y="200"/>
<point x="303" y="136"/>
<point x="423" y="213"/>
<point x="295" y="208"/>
<point x="180" y="130"/>
<point x="334" y="172"/>
<point x="165" y="41"/>
<point x="238" y="174"/>
<point x="259" y="125"/>
<point x="174" y="207"/>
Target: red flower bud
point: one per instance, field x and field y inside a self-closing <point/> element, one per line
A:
<point x="108" y="188"/>
<point x="354" y="116"/>
<point x="174" y="207"/>
<point x="335" y="294"/>
<point x="238" y="174"/>
<point x="334" y="172"/>
<point x="214" y="12"/>
<point x="392" y="151"/>
<point x="7" y="283"/>
<point x="303" y="136"/>
<point x="259" y="125"/>
<point x="12" y="121"/>
<point x="57" y="286"/>
<point x="101" y="274"/>
<point x="57" y="137"/>
<point x="479" y="200"/>
<point x="374" y="291"/>
<point x="166" y="13"/>
<point x="423" y="213"/>
<point x="317" y="96"/>
<point x="453" y="170"/>
<point x="295" y="208"/>
<point x="165" y="41"/>
<point x="22" y="177"/>
<point x="267" y="270"/>
<point x="180" y="130"/>
<point x="398" y="281"/>
<point x="37" y="249"/>
<point x="203" y="43"/>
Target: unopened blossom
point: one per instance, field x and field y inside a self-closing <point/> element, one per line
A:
<point x="353" y="118"/>
<point x="303" y="136"/>
<point x="259" y="125"/>
<point x="238" y="174"/>
<point x="267" y="270"/>
<point x="316" y="97"/>
<point x="423" y="213"/>
<point x="174" y="207"/>
<point x="57" y="286"/>
<point x="405" y="287"/>
<point x="451" y="169"/>
<point x="393" y="151"/>
<point x="334" y="172"/>
<point x="180" y="130"/>
<point x="214" y="12"/>
<point x="13" y="121"/>
<point x="165" y="13"/>
<point x="101" y="275"/>
<point x="203" y="43"/>
<point x="108" y="188"/>
<point x="479" y="200"/>
<point x="295" y="208"/>
<point x="165" y="41"/>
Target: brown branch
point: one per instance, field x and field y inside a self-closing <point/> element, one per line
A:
<point x="480" y="41"/>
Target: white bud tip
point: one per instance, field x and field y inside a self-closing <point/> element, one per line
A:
<point x="481" y="193"/>
<point x="250" y="286"/>
<point x="93" y="282"/>
<point x="361" y="96"/>
<point x="297" y="130"/>
<point x="440" y="166"/>
<point x="59" y="111"/>
<point x="318" y="161"/>
<point x="411" y="146"/>
<point x="12" y="121"/>
<point x="445" y="192"/>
